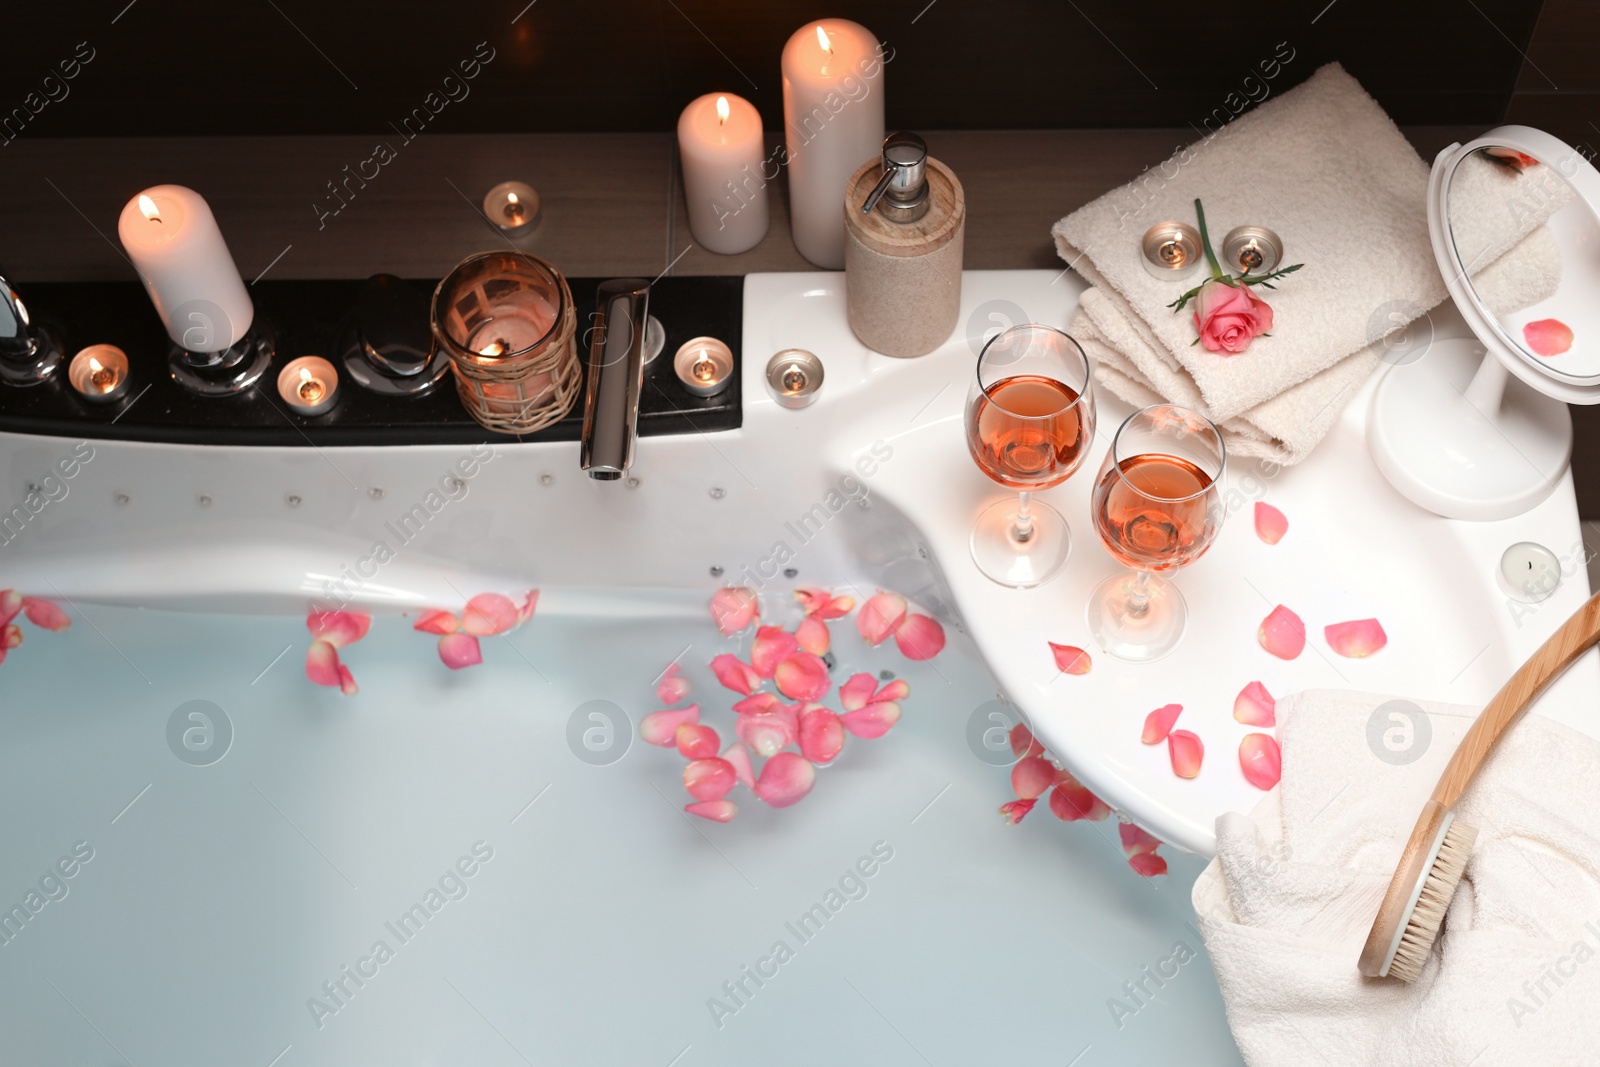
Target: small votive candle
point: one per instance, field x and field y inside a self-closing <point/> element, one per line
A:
<point x="1171" y="249"/>
<point x="704" y="365"/>
<point x="513" y="207"/>
<point x="308" y="385"/>
<point x="794" y="377"/>
<point x="99" y="373"/>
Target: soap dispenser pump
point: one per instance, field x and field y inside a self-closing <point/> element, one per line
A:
<point x="905" y="225"/>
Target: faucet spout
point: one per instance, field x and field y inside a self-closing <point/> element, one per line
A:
<point x="616" y="377"/>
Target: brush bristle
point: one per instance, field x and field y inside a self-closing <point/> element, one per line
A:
<point x="1438" y="886"/>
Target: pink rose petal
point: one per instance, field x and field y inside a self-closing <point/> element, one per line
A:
<point x="696" y="740"/>
<point x="661" y="727"/>
<point x="767" y="734"/>
<point x="347" y="681"/>
<point x="10" y="604"/>
<point x="919" y="637"/>
<point x="1356" y="639"/>
<point x="735" y="674"/>
<point x="529" y="602"/>
<point x="10" y="637"/>
<point x="803" y="676"/>
<point x="1023" y="743"/>
<point x="821" y="735"/>
<point x="812" y="635"/>
<point x="1548" y="337"/>
<point x="1032" y="776"/>
<point x="1016" y="810"/>
<point x="460" y="650"/>
<point x="857" y="692"/>
<point x="708" y="779"/>
<point x="1282" y="633"/>
<point x="733" y="609"/>
<point x="738" y="757"/>
<point x="872" y="721"/>
<point x="1270" y="523"/>
<point x="435" y="621"/>
<point x="338" y="628"/>
<point x="1158" y="724"/>
<point x="757" y="703"/>
<point x="1261" y="760"/>
<point x="1254" y="706"/>
<point x="673" y="686"/>
<point x="1071" y="800"/>
<point x="322" y="664"/>
<point x="1186" y="752"/>
<point x="880" y="616"/>
<point x="1070" y="658"/>
<point x="715" y="810"/>
<point x="771" y="646"/>
<point x="1148" y="864"/>
<point x="489" y="613"/>
<point x="823" y="604"/>
<point x="45" y="614"/>
<point x="1135" y="840"/>
<point x="898" y="689"/>
<point x="785" y="779"/>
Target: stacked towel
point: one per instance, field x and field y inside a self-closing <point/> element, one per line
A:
<point x="1286" y="904"/>
<point x="1326" y="168"/>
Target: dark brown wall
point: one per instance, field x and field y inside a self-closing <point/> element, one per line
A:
<point x="326" y="66"/>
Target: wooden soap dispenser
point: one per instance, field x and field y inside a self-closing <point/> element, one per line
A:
<point x="905" y="224"/>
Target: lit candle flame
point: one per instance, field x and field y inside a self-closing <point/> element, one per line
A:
<point x="722" y="109"/>
<point x="305" y="374"/>
<point x="511" y="198"/>
<point x="822" y="39"/>
<point x="149" y="208"/>
<point x="94" y="366"/>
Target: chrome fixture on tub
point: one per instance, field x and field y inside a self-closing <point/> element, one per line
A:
<point x="617" y="355"/>
<point x="29" y="352"/>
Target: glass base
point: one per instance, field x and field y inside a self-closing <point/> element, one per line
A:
<point x="1137" y="636"/>
<point x="1020" y="564"/>
<point x="231" y="371"/>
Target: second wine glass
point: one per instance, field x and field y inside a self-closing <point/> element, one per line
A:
<point x="1030" y="418"/>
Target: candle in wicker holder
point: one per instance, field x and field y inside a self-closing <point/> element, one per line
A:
<point x="506" y="320"/>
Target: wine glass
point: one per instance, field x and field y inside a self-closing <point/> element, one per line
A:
<point x="1030" y="418"/>
<point x="1158" y="506"/>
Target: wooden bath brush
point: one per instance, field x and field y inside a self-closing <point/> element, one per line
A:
<point x="1435" y="857"/>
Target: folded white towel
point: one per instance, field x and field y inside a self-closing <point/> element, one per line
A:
<point x="1286" y="904"/>
<point x="1326" y="168"/>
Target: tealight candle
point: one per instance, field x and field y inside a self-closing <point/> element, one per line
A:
<point x="308" y="385"/>
<point x="513" y="207"/>
<point x="99" y="373"/>
<point x="1171" y="249"/>
<point x="1529" y="572"/>
<point x="794" y="377"/>
<point x="720" y="142"/>
<point x="833" y="115"/>
<point x="173" y="241"/>
<point x="704" y="365"/>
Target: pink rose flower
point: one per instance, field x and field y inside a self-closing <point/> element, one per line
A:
<point x="1230" y="317"/>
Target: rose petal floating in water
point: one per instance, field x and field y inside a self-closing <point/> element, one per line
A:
<point x="1071" y="800"/>
<point x="488" y="614"/>
<point x="338" y="628"/>
<point x="898" y="689"/>
<point x="857" y="692"/>
<point x="715" y="810"/>
<point x="45" y="614"/>
<point x="919" y="637"/>
<point x="1254" y="706"/>
<point x="785" y="779"/>
<point x="738" y="757"/>
<point x="1136" y="840"/>
<point x="1070" y="658"/>
<point x="529" y="602"/>
<point x="10" y="604"/>
<point x="1270" y="523"/>
<point x="872" y="721"/>
<point x="322" y="664"/>
<point x="1261" y="760"/>
<point x="803" y="676"/>
<point x="821" y="735"/>
<point x="1148" y="864"/>
<point x="1015" y="810"/>
<point x="10" y="637"/>
<point x="696" y="740"/>
<point x="1158" y="724"/>
<point x="1186" y="752"/>
<point x="708" y="779"/>
<point x="1282" y="633"/>
<point x="823" y="604"/>
<point x="661" y="727"/>
<point x="733" y="609"/>
<point x="1356" y="639"/>
<point x="435" y="621"/>
<point x="772" y="645"/>
<point x="735" y="674"/>
<point x="1023" y="743"/>
<point x="757" y="703"/>
<point x="812" y="635"/>
<point x="1548" y="337"/>
<point x="460" y="650"/>
<point x="767" y="733"/>
<point x="673" y="686"/>
<point x="880" y="616"/>
<point x="347" y="681"/>
<point x="1032" y="776"/>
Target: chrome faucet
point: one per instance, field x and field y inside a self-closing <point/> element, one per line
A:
<point x="29" y="351"/>
<point x="616" y="376"/>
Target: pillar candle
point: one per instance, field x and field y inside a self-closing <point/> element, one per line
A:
<point x="833" y="118"/>
<point x="172" y="239"/>
<point x="720" y="143"/>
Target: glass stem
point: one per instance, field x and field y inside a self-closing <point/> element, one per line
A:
<point x="1139" y="595"/>
<point x="1022" y="522"/>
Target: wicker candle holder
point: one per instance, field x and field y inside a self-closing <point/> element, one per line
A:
<point x="507" y="322"/>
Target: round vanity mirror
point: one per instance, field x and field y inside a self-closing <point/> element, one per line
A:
<point x="1475" y="426"/>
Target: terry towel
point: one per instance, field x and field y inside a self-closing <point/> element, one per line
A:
<point x="1325" y="167"/>
<point x="1286" y="904"/>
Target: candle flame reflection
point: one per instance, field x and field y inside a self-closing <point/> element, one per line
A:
<point x="822" y="39"/>
<point x="722" y="107"/>
<point x="149" y="208"/>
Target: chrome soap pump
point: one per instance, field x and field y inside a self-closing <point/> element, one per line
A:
<point x="905" y="225"/>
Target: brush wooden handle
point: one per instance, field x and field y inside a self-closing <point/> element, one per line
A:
<point x="1576" y="636"/>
